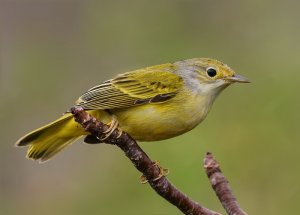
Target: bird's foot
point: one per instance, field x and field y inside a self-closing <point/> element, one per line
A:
<point x="120" y="133"/>
<point x="162" y="172"/>
<point x="113" y="125"/>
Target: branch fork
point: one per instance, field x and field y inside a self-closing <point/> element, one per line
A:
<point x="155" y="175"/>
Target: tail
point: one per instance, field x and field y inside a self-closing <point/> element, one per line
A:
<point x="50" y="139"/>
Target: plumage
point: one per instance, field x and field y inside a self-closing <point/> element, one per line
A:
<point x="131" y="88"/>
<point x="154" y="103"/>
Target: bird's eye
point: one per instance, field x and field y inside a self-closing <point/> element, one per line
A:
<point x="211" y="72"/>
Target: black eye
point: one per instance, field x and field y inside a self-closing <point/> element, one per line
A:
<point x="211" y="72"/>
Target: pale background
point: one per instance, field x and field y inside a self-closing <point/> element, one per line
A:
<point x="53" y="51"/>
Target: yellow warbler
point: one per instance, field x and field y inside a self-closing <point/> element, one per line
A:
<point x="154" y="103"/>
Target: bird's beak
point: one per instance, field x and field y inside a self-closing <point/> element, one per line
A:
<point x="237" y="78"/>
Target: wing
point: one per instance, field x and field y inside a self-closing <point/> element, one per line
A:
<point x="149" y="85"/>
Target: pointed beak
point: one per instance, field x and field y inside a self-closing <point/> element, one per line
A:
<point x="237" y="78"/>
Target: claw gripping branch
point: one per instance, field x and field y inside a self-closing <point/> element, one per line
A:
<point x="141" y="161"/>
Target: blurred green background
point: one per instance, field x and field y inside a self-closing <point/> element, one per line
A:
<point x="53" y="51"/>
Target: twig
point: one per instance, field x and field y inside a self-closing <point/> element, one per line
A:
<point x="221" y="186"/>
<point x="153" y="173"/>
<point x="142" y="162"/>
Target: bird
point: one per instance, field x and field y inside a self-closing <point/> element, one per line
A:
<point x="151" y="104"/>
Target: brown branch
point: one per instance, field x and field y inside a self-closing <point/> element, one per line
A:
<point x="142" y="162"/>
<point x="221" y="186"/>
<point x="151" y="171"/>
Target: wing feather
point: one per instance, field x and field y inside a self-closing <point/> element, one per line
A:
<point x="150" y="85"/>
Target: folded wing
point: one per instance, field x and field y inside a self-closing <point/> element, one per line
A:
<point x="149" y="85"/>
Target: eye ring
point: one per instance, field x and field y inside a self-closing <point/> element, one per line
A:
<point x="211" y="72"/>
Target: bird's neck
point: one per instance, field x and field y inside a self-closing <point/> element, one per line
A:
<point x="196" y="108"/>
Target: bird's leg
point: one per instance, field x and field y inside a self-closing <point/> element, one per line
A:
<point x="113" y="125"/>
<point x="120" y="133"/>
<point x="162" y="172"/>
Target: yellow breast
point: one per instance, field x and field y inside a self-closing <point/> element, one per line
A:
<point x="151" y="122"/>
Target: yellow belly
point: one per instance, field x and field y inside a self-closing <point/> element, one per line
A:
<point x="152" y="122"/>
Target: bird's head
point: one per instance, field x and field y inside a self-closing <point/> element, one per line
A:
<point x="207" y="75"/>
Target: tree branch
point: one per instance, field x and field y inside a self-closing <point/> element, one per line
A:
<point x="221" y="186"/>
<point x="150" y="170"/>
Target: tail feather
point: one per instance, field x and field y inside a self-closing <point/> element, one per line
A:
<point x="50" y="139"/>
<point x="45" y="152"/>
